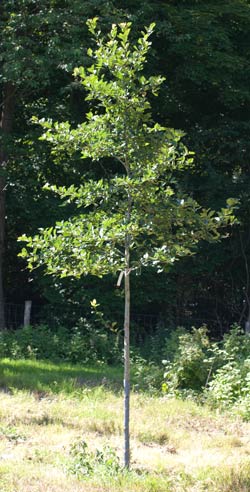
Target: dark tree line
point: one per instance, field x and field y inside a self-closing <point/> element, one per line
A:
<point x="202" y="48"/>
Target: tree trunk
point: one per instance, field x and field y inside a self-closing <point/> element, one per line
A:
<point x="247" y="323"/>
<point x="127" y="361"/>
<point x="2" y="234"/>
<point x="6" y="124"/>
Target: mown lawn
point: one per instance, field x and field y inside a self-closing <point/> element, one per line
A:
<point x="177" y="446"/>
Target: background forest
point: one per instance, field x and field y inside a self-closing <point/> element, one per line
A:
<point x="202" y="48"/>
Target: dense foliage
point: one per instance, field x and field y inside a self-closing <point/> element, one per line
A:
<point x="84" y="343"/>
<point x="216" y="371"/>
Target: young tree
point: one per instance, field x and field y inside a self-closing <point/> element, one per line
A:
<point x="135" y="216"/>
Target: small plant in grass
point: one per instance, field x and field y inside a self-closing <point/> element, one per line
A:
<point x="86" y="463"/>
<point x="242" y="405"/>
<point x="151" y="437"/>
<point x="12" y="434"/>
<point x="226" y="479"/>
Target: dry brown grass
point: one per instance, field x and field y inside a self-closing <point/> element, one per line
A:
<point x="170" y="440"/>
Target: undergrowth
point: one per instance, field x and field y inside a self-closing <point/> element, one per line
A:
<point x="190" y="365"/>
<point x="217" y="373"/>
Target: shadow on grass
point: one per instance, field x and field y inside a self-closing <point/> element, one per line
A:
<point x="47" y="377"/>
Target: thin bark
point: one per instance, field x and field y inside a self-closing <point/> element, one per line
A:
<point x="127" y="331"/>
<point x="127" y="362"/>
<point x="6" y="124"/>
<point x="247" y="323"/>
<point x="2" y="237"/>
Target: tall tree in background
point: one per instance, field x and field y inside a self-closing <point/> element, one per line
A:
<point x="204" y="46"/>
<point x="136" y="216"/>
<point x="6" y="124"/>
<point x="40" y="43"/>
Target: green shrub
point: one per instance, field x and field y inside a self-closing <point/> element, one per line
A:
<point x="85" y="343"/>
<point x="146" y="375"/>
<point x="34" y="342"/>
<point x="241" y="406"/>
<point x="163" y="343"/>
<point x="191" y="363"/>
<point x="236" y="344"/>
<point x="92" y="343"/>
<point x="86" y="463"/>
<point x="220" y="369"/>
<point x="230" y="388"/>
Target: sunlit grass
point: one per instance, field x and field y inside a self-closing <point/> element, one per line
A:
<point x="55" y="378"/>
<point x="177" y="446"/>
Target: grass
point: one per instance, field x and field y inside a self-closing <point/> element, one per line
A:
<point x="46" y="377"/>
<point x="177" y="446"/>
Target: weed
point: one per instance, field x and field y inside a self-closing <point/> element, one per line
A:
<point x="151" y="437"/>
<point x="104" y="427"/>
<point x="226" y="479"/>
<point x="12" y="434"/>
<point x="98" y="462"/>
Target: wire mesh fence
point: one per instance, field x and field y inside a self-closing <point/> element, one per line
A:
<point x="68" y="316"/>
<point x="14" y="315"/>
<point x="55" y="315"/>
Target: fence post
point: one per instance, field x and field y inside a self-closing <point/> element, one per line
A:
<point x="27" y="313"/>
<point x="247" y="327"/>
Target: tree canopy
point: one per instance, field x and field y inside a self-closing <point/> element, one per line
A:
<point x="142" y="200"/>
